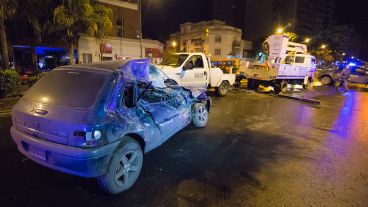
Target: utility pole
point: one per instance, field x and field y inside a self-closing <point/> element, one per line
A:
<point x="140" y="26"/>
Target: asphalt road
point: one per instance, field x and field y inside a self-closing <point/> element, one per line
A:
<point x="257" y="150"/>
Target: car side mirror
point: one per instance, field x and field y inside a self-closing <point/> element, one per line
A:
<point x="188" y="66"/>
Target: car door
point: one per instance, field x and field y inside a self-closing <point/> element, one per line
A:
<point x="357" y="75"/>
<point x="195" y="76"/>
<point x="132" y="119"/>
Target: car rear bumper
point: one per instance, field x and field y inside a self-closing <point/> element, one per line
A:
<point x="91" y="162"/>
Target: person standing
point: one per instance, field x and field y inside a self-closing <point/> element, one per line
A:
<point x="344" y="77"/>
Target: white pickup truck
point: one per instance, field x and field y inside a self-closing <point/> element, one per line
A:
<point x="194" y="70"/>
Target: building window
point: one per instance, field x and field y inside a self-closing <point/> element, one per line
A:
<point x="119" y="27"/>
<point x="218" y="38"/>
<point x="87" y="57"/>
<point x="120" y="22"/>
<point x="217" y="51"/>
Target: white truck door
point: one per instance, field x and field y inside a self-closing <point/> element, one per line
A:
<point x="197" y="76"/>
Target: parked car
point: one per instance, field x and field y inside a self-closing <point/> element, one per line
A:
<point x="331" y="75"/>
<point x="96" y="120"/>
<point x="27" y="73"/>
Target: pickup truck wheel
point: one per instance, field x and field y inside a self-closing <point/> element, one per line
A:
<point x="223" y="89"/>
<point x="124" y="168"/>
<point x="280" y="87"/>
<point x="283" y="86"/>
<point x="199" y="115"/>
<point x="252" y="84"/>
<point x="326" y="80"/>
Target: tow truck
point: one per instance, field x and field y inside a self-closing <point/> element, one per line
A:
<point x="284" y="62"/>
<point x="194" y="70"/>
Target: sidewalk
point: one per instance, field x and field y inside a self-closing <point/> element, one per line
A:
<point x="6" y="104"/>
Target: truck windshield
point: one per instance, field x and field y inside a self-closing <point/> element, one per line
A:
<point x="70" y="88"/>
<point x="174" y="60"/>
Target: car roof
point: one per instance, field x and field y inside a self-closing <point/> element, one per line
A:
<point x="112" y="65"/>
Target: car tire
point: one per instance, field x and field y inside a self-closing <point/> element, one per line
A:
<point x="252" y="84"/>
<point x="124" y="167"/>
<point x="199" y="115"/>
<point x="326" y="80"/>
<point x="223" y="89"/>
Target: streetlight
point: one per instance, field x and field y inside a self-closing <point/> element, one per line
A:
<point x="323" y="46"/>
<point x="307" y="40"/>
<point x="140" y="26"/>
<point x="173" y="44"/>
<point x="280" y="30"/>
<point x="343" y="54"/>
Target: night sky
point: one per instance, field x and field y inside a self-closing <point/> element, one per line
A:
<point x="163" y="17"/>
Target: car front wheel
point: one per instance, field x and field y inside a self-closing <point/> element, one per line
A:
<point x="124" y="168"/>
<point x="199" y="115"/>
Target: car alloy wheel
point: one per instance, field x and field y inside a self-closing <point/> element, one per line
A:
<point x="199" y="115"/>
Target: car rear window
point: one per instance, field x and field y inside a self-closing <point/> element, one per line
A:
<point x="71" y="88"/>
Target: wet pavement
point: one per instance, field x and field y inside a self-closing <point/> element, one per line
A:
<point x="257" y="150"/>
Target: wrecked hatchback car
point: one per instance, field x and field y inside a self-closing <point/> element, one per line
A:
<point x="96" y="120"/>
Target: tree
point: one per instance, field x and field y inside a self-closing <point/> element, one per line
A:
<point x="74" y="17"/>
<point x="292" y="36"/>
<point x="7" y="9"/>
<point x="36" y="13"/>
<point x="102" y="16"/>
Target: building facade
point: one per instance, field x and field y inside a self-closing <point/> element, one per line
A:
<point x="116" y="48"/>
<point x="123" y="41"/>
<point x="213" y="37"/>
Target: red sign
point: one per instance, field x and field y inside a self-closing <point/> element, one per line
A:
<point x="106" y="48"/>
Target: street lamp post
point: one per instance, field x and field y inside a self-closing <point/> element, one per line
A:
<point x="140" y="26"/>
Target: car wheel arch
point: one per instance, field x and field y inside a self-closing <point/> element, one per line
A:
<point x="137" y="138"/>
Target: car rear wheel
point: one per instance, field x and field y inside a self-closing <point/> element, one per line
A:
<point x="124" y="168"/>
<point x="223" y="89"/>
<point x="199" y="115"/>
<point x="326" y="80"/>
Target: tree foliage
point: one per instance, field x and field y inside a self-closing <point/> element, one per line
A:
<point x="74" y="17"/>
<point x="292" y="36"/>
<point x="7" y="10"/>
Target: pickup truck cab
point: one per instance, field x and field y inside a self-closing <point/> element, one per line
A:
<point x="194" y="70"/>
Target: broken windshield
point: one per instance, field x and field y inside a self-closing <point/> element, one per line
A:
<point x="174" y="60"/>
